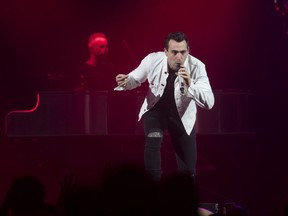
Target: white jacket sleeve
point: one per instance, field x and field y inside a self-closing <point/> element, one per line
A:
<point x="200" y="89"/>
<point x="139" y="75"/>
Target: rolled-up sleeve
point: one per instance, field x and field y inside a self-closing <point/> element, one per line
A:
<point x="200" y="89"/>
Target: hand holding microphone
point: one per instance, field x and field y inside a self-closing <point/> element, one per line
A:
<point x="181" y="80"/>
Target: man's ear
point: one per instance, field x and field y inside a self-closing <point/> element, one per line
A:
<point x="166" y="51"/>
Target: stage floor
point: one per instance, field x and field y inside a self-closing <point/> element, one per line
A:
<point x="241" y="168"/>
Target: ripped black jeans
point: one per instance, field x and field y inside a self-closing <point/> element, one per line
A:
<point x="155" y="123"/>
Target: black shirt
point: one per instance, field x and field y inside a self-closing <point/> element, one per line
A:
<point x="167" y="101"/>
<point x="99" y="78"/>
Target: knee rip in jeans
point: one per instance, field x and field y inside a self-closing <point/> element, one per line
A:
<point x="155" y="134"/>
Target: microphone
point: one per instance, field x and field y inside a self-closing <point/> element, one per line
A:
<point x="181" y="81"/>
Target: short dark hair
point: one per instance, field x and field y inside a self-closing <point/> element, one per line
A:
<point x="177" y="36"/>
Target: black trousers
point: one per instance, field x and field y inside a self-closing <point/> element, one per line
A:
<point x="155" y="123"/>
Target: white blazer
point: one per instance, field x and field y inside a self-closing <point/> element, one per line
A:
<point x="154" y="68"/>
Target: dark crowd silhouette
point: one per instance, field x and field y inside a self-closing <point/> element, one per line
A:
<point x="122" y="190"/>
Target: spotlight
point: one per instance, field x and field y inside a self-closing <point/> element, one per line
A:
<point x="281" y="6"/>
